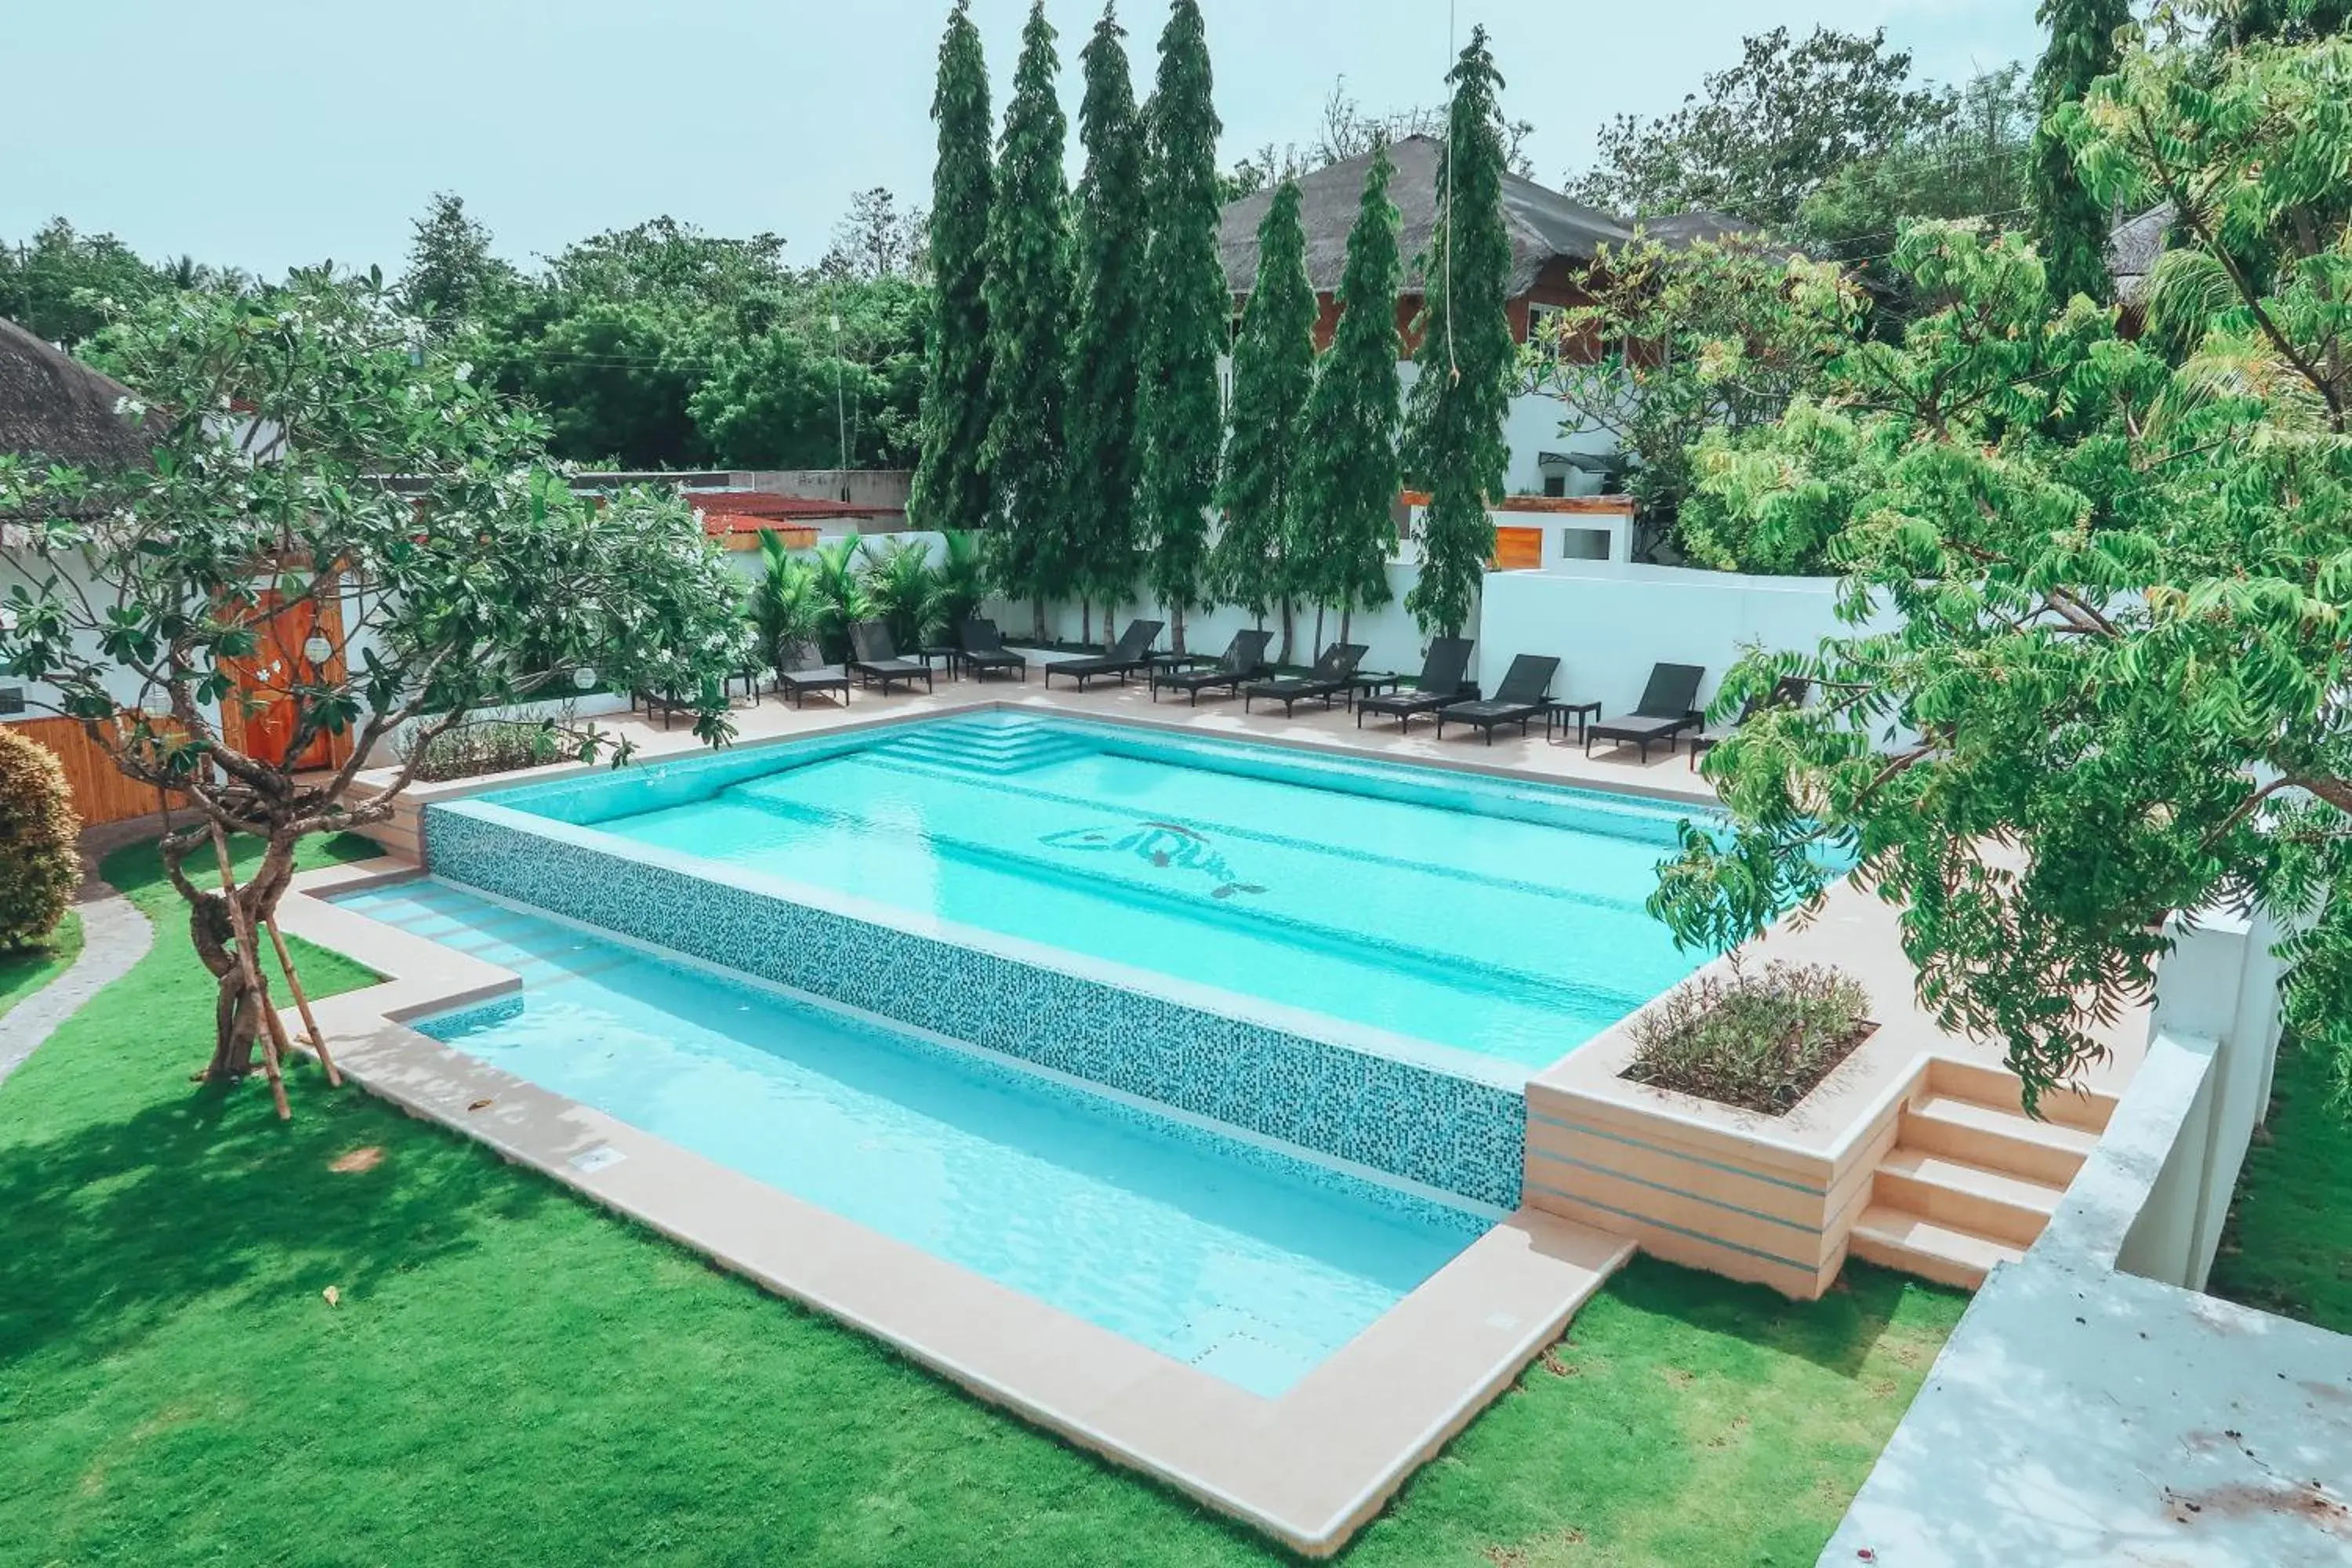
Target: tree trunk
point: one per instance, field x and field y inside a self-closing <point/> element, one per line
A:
<point x="239" y="1018"/>
<point x="1345" y="612"/>
<point x="1318" y="629"/>
<point x="1038" y="615"/>
<point x="1287" y="619"/>
<point x="1085" y="622"/>
<point x="1176" y="628"/>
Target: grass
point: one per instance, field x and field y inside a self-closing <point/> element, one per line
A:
<point x="511" y="1375"/>
<point x="2288" y="1247"/>
<point x="24" y="971"/>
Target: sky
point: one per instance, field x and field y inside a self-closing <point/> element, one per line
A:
<point x="274" y="133"/>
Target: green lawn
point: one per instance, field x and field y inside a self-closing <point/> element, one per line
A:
<point x="26" y="970"/>
<point x="514" y="1376"/>
<point x="2288" y="1247"/>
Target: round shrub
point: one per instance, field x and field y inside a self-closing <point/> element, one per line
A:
<point x="39" y="868"/>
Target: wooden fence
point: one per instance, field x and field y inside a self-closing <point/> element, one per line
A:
<point x="101" y="792"/>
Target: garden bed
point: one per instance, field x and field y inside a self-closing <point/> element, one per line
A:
<point x="1759" y="1042"/>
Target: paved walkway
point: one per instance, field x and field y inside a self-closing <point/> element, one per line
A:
<point x="114" y="936"/>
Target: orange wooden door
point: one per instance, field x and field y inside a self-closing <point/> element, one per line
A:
<point x="263" y="726"/>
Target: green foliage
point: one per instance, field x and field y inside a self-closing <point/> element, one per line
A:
<point x="1712" y="340"/>
<point x="1099" y="514"/>
<point x="1969" y="162"/>
<point x="1187" y="317"/>
<point x="1028" y="325"/>
<point x="616" y="377"/>
<point x="2070" y="225"/>
<point x="476" y="582"/>
<point x="2122" y="583"/>
<point x="40" y="866"/>
<point x="58" y="285"/>
<point x="900" y="588"/>
<point x="1758" y="1041"/>
<point x="487" y="745"/>
<point x="2290" y="1230"/>
<point x="1341" y="527"/>
<point x="841" y="593"/>
<point x="1274" y="369"/>
<point x="452" y="276"/>
<point x="951" y="487"/>
<point x="804" y="395"/>
<point x="784" y="606"/>
<point x="960" y="581"/>
<point x="1453" y="418"/>
<point x="1758" y="138"/>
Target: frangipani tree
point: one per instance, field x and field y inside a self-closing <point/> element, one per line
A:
<point x="2125" y="575"/>
<point x="316" y="466"/>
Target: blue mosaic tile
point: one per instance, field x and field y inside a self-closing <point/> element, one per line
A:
<point x="1456" y="1134"/>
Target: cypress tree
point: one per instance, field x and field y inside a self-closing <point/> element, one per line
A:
<point x="1106" y="352"/>
<point x="1273" y="368"/>
<point x="1028" y="322"/>
<point x="1187" y="313"/>
<point x="1341" y="529"/>
<point x="951" y="488"/>
<point x="1462" y="394"/>
<point x="2069" y="226"/>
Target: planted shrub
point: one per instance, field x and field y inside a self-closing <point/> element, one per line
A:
<point x="39" y="866"/>
<point x="488" y="746"/>
<point x="1760" y="1041"/>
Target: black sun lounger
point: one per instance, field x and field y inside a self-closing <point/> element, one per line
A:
<point x="1788" y="691"/>
<point x="1440" y="683"/>
<point x="1127" y="656"/>
<point x="984" y="650"/>
<point x="1525" y="693"/>
<point x="1244" y="658"/>
<point x="877" y="657"/>
<point x="1669" y="706"/>
<point x="1332" y="674"/>
<point x="803" y="670"/>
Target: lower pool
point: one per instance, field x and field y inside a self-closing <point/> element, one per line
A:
<point x="1235" y="1257"/>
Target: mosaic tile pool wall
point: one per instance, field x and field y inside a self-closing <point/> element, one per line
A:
<point x="1456" y="1134"/>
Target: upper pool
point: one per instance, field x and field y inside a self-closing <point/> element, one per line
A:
<point x="1489" y="915"/>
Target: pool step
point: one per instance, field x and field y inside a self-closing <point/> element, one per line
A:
<point x="1983" y="1202"/>
<point x="1996" y="1138"/>
<point x="995" y="749"/>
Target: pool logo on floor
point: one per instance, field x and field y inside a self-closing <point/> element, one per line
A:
<point x="1163" y="846"/>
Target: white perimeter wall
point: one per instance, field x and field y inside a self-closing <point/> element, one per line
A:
<point x="1608" y="623"/>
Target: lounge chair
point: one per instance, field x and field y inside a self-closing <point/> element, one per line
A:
<point x="1669" y="706"/>
<point x="803" y="669"/>
<point x="1244" y="658"/>
<point x="1440" y="683"/>
<point x="1788" y="691"/>
<point x="876" y="659"/>
<point x="1525" y="693"/>
<point x="984" y="649"/>
<point x="1332" y="674"/>
<point x="1130" y="653"/>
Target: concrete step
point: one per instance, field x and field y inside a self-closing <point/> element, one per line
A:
<point x="1998" y="1087"/>
<point x="1896" y="1238"/>
<point x="1995" y="1140"/>
<point x="1967" y="1198"/>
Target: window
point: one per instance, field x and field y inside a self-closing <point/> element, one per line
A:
<point x="1555" y="484"/>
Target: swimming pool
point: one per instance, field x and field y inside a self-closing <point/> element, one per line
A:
<point x="1480" y="914"/>
<point x="1243" y="1260"/>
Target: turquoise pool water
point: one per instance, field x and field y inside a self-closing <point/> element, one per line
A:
<point x="1246" y="1262"/>
<point x="1490" y="916"/>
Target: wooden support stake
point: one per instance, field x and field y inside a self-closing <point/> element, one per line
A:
<point x="310" y="1024"/>
<point x="273" y="1039"/>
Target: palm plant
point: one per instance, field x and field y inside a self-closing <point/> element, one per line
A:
<point x="840" y="594"/>
<point x="899" y="588"/>
<point x="958" y="583"/>
<point x="784" y="604"/>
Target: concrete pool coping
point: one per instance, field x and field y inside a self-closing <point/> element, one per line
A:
<point x="1309" y="1467"/>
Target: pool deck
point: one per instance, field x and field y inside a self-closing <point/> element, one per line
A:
<point x="1309" y="1467"/>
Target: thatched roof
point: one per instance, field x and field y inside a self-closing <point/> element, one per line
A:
<point x="57" y="406"/>
<point x="2133" y="247"/>
<point x="1543" y="224"/>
